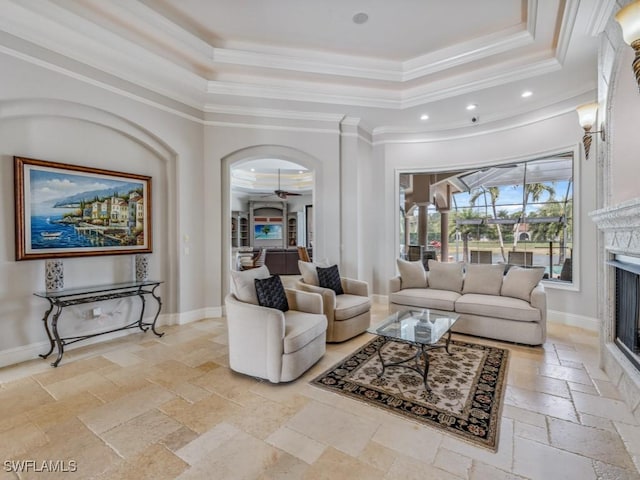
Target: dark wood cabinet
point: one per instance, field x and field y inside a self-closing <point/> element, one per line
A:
<point x="282" y="262"/>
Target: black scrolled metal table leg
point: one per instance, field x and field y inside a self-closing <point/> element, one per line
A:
<point x="425" y="355"/>
<point x="159" y="300"/>
<point x="448" y="342"/>
<point x="56" y="335"/>
<point x="45" y="320"/>
<point x="140" y="324"/>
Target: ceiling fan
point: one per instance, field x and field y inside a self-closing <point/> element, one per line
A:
<point x="282" y="194"/>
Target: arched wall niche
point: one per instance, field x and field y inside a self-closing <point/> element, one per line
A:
<point x="65" y="131"/>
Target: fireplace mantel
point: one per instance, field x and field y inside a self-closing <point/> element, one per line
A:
<point x="620" y="226"/>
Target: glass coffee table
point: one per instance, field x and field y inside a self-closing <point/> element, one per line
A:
<point x="421" y="328"/>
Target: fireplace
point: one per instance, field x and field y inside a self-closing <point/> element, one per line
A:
<point x="618" y="271"/>
<point x="627" y="309"/>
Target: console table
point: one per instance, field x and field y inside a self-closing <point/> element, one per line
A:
<point x="75" y="296"/>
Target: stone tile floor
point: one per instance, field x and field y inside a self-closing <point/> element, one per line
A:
<point x="141" y="407"/>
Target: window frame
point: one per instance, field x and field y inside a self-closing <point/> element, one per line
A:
<point x="574" y="150"/>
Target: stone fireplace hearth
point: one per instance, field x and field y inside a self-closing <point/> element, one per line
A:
<point x="620" y="225"/>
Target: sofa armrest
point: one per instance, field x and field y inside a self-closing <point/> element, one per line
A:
<point x="355" y="287"/>
<point x="328" y="297"/>
<point x="539" y="299"/>
<point x="395" y="284"/>
<point x="304" y="301"/>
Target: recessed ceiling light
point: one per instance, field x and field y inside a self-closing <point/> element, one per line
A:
<point x="472" y="106"/>
<point x="526" y="93"/>
<point x="360" y="18"/>
<point x="300" y="171"/>
<point x="253" y="169"/>
<point x="424" y="117"/>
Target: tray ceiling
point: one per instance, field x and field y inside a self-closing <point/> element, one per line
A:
<point x="412" y="57"/>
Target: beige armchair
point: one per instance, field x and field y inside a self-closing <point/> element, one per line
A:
<point x="348" y="314"/>
<point x="267" y="343"/>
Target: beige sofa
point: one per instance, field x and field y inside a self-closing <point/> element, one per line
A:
<point x="511" y="307"/>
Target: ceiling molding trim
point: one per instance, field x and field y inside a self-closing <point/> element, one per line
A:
<point x="96" y="83"/>
<point x="216" y="123"/>
<point x="294" y="91"/>
<point x="600" y="16"/>
<point x="148" y="25"/>
<point x="508" y="74"/>
<point x="349" y="67"/>
<point x="272" y="113"/>
<point x="384" y="98"/>
<point x="102" y="50"/>
<point x="552" y="105"/>
<point x="466" y="52"/>
<point x="566" y="28"/>
<point x="508" y="123"/>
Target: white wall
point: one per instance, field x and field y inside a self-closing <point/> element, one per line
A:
<point x="557" y="134"/>
<point x="625" y="141"/>
<point x="51" y="116"/>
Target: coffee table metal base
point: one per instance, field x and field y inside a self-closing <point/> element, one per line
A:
<point x="422" y="350"/>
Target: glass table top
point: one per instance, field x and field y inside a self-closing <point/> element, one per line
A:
<point x="421" y="326"/>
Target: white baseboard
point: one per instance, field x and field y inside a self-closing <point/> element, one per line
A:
<point x="25" y="353"/>
<point x="581" y="321"/>
<point x="192" y="316"/>
<point x="377" y="298"/>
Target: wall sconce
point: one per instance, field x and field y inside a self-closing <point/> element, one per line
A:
<point x="629" y="19"/>
<point x="587" y="117"/>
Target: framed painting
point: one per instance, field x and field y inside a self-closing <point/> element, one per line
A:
<point x="64" y="210"/>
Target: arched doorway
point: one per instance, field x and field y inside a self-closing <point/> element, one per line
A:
<point x="282" y="177"/>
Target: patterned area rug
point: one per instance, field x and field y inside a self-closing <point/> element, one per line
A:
<point x="467" y="387"/>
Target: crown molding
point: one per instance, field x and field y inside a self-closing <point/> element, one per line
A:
<point x="600" y="16"/>
<point x="481" y="79"/>
<point x="273" y="113"/>
<point x="466" y="52"/>
<point x="566" y="28"/>
<point x="356" y="67"/>
<point x="553" y="107"/>
<point x="97" y="49"/>
<point x="520" y="68"/>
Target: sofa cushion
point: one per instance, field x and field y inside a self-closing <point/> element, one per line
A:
<point x="412" y="274"/>
<point x="498" y="307"/>
<point x="483" y="279"/>
<point x="309" y="272"/>
<point x="445" y="276"/>
<point x="244" y="286"/>
<point x="270" y="293"/>
<point x="301" y="328"/>
<point x="519" y="282"/>
<point x="426" y="298"/>
<point x="349" y="306"/>
<point x="329" y="277"/>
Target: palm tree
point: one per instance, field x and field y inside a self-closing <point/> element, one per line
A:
<point x="464" y="229"/>
<point x="494" y="193"/>
<point x="535" y="191"/>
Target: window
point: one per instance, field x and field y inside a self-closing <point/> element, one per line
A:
<point x="516" y="214"/>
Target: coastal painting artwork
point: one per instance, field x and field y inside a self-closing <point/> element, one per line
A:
<point x="66" y="210"/>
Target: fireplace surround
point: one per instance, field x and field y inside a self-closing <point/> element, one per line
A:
<point x="620" y="226"/>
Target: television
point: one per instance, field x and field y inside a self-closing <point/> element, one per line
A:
<point x="267" y="231"/>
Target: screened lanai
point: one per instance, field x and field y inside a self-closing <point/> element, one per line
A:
<point x="515" y="214"/>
